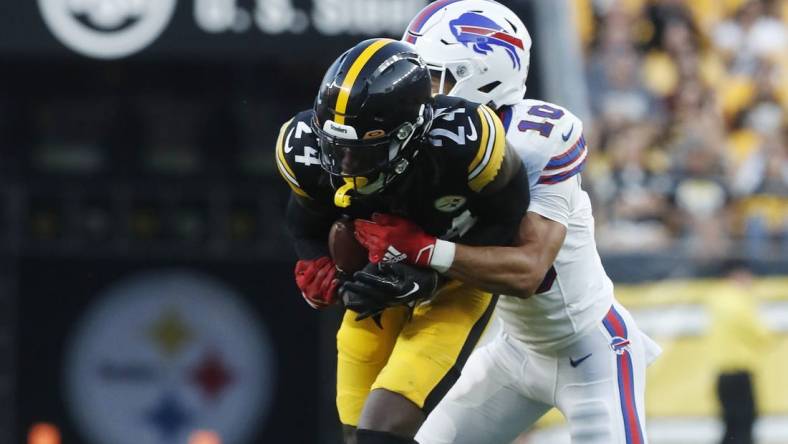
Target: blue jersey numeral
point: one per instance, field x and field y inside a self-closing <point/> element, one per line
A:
<point x="544" y="127"/>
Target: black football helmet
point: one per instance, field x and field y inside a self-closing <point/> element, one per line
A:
<point x="373" y="106"/>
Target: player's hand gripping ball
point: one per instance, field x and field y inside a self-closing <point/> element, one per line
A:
<point x="392" y="238"/>
<point x="318" y="279"/>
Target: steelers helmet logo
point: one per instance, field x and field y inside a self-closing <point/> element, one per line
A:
<point x="107" y="29"/>
<point x="162" y="355"/>
<point x="449" y="203"/>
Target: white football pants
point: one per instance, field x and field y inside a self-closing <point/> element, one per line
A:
<point x="597" y="383"/>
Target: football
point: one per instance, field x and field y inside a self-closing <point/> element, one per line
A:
<point x="348" y="254"/>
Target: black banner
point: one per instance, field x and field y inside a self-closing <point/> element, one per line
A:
<point x="113" y="29"/>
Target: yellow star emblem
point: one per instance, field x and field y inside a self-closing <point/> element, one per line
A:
<point x="170" y="332"/>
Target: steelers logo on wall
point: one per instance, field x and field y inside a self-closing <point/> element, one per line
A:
<point x="107" y="29"/>
<point x="162" y="355"/>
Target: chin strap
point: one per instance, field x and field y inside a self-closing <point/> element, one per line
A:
<point x="341" y="198"/>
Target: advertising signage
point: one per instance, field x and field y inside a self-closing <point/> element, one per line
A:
<point x="117" y="29"/>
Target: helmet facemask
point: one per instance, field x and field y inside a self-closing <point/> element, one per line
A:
<point x="372" y="163"/>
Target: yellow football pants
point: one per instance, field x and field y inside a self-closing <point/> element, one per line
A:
<point x="419" y="358"/>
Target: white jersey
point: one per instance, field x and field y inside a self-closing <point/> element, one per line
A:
<point x="576" y="292"/>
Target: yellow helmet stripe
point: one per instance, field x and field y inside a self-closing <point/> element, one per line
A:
<point x="352" y="75"/>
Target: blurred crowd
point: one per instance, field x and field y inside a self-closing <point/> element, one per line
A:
<point x="689" y="102"/>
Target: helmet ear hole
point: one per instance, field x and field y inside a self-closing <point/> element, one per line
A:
<point x="489" y="87"/>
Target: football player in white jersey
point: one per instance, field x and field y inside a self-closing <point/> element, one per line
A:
<point x="566" y="341"/>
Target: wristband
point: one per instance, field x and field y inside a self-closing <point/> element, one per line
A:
<point x="443" y="256"/>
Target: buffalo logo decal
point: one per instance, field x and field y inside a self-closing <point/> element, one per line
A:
<point x="481" y="34"/>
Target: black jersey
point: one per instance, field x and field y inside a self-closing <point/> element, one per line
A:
<point x="455" y="182"/>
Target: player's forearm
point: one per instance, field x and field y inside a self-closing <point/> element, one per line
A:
<point x="512" y="271"/>
<point x="516" y="270"/>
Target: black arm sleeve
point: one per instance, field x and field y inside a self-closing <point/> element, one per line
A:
<point x="500" y="213"/>
<point x="308" y="228"/>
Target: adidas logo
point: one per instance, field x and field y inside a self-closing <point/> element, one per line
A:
<point x="393" y="255"/>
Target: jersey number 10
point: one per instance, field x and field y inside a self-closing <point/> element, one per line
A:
<point x="544" y="127"/>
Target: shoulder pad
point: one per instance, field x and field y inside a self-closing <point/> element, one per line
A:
<point x="471" y="135"/>
<point x="297" y="156"/>
<point x="548" y="138"/>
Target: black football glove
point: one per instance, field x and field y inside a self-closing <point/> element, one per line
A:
<point x="379" y="286"/>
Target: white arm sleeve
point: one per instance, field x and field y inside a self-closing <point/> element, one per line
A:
<point x="555" y="201"/>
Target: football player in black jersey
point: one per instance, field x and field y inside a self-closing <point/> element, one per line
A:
<point x="376" y="141"/>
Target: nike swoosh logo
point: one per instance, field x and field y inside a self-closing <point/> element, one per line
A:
<point x="412" y="290"/>
<point x="288" y="147"/>
<point x="569" y="134"/>
<point x="472" y="136"/>
<point x="574" y="363"/>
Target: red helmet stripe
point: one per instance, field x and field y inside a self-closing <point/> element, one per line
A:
<point x="494" y="34"/>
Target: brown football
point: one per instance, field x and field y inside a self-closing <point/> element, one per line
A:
<point x="348" y="254"/>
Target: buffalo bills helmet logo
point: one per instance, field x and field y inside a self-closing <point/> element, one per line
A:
<point x="619" y="345"/>
<point x="480" y="34"/>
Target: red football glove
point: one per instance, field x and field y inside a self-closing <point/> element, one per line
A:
<point x="317" y="280"/>
<point x="395" y="239"/>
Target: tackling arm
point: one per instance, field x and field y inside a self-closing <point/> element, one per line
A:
<point x="514" y="271"/>
<point x="520" y="269"/>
